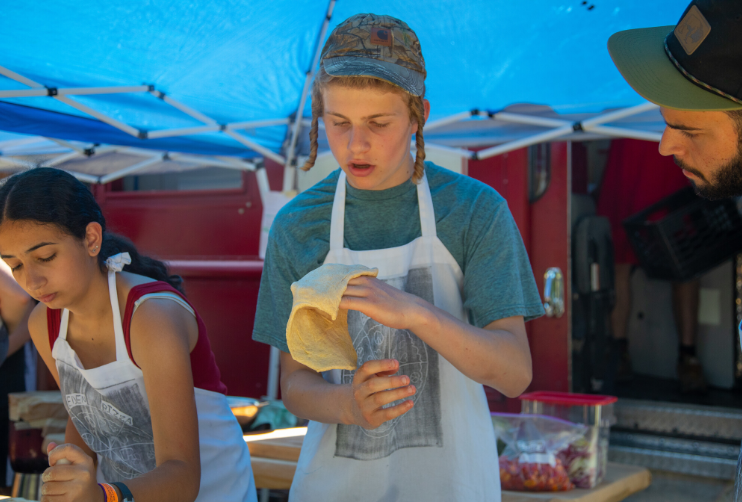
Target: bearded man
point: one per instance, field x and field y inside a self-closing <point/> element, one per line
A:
<point x="693" y="71"/>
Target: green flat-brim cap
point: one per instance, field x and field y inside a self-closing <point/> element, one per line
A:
<point x="640" y="57"/>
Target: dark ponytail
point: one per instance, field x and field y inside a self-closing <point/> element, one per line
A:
<point x="48" y="195"/>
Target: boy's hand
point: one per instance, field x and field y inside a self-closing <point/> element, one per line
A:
<point x="383" y="303"/>
<point x="373" y="388"/>
<point x="71" y="477"/>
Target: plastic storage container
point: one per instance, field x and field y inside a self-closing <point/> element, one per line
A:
<point x="586" y="459"/>
<point x="683" y="235"/>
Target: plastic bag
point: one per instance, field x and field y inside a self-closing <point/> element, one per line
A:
<point x="532" y="460"/>
<point x="586" y="458"/>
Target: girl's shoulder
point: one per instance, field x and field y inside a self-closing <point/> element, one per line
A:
<point x="126" y="282"/>
<point x="38" y="323"/>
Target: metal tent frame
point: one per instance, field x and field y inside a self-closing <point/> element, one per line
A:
<point x="555" y="128"/>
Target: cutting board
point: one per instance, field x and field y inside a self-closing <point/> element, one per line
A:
<point x="274" y="463"/>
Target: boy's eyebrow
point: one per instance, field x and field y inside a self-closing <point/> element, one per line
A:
<point x="33" y="248"/>
<point x="681" y="127"/>
<point x="374" y="116"/>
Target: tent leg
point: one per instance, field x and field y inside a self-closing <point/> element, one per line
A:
<point x="290" y="171"/>
<point x="273" y="373"/>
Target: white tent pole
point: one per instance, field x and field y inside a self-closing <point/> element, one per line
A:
<point x="521" y="143"/>
<point x="618" y="114"/>
<point x="61" y="158"/>
<point x="623" y="132"/>
<point x="263" y="185"/>
<point x="85" y="91"/>
<point x="85" y="178"/>
<point x="185" y="131"/>
<point x="212" y="162"/>
<point x="447" y="120"/>
<point x="273" y="373"/>
<point x="131" y="169"/>
<point x="100" y="116"/>
<point x="15" y="162"/>
<point x="72" y="91"/>
<point x="530" y="119"/>
<point x="255" y="146"/>
<point x="183" y="108"/>
<point x="254" y="124"/>
<point x="461" y="152"/>
<point x="288" y="175"/>
<point x="67" y="144"/>
<point x="20" y="78"/>
<point x="103" y="118"/>
<point x="209" y="121"/>
<point x="24" y="93"/>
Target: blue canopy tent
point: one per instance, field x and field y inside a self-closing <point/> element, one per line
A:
<point x="230" y="80"/>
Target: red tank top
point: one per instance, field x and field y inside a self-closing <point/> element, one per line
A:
<point x="203" y="364"/>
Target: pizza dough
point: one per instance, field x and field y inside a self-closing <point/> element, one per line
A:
<point x="317" y="331"/>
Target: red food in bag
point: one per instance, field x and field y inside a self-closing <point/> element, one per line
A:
<point x="533" y="477"/>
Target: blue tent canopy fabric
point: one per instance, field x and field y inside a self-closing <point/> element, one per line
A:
<point x="237" y="61"/>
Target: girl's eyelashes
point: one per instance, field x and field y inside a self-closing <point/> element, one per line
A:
<point x="688" y="134"/>
<point x="13" y="269"/>
<point x="379" y="125"/>
<point x="50" y="258"/>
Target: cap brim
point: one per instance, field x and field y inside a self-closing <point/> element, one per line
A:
<point x="348" y="66"/>
<point x="640" y="57"/>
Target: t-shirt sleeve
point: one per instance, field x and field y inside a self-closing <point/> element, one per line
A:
<point x="274" y="298"/>
<point x="498" y="280"/>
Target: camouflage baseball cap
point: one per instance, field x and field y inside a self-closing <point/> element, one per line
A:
<point x="376" y="46"/>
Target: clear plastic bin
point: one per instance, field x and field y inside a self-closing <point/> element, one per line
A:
<point x="587" y="458"/>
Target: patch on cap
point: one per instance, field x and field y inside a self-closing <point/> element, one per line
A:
<point x="381" y="36"/>
<point x="692" y="30"/>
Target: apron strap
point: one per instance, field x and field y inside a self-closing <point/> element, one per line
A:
<point x="425" y="203"/>
<point x="63" y="323"/>
<point x="121" y="353"/>
<point x="337" y="221"/>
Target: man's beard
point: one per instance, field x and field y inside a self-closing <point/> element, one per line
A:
<point x="725" y="183"/>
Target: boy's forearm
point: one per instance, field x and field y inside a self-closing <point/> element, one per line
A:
<point x="493" y="356"/>
<point x="307" y="395"/>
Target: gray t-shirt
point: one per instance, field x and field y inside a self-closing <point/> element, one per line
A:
<point x="472" y="220"/>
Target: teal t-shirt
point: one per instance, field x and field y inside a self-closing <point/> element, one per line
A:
<point x="472" y="220"/>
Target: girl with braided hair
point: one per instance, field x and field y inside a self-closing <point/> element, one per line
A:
<point x="446" y="313"/>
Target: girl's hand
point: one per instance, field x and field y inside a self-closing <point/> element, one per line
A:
<point x="383" y="303"/>
<point x="71" y="477"/>
<point x="374" y="387"/>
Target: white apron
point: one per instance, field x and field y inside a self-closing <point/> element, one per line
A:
<point x="109" y="407"/>
<point x="444" y="448"/>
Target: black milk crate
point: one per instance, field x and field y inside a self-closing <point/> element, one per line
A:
<point x="683" y="236"/>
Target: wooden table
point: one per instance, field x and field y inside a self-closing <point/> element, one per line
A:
<point x="274" y="456"/>
<point x="620" y="482"/>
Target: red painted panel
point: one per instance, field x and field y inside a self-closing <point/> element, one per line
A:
<point x="544" y="228"/>
<point x="170" y="224"/>
<point x="550" y="247"/>
<point x="508" y="174"/>
<point x="203" y="231"/>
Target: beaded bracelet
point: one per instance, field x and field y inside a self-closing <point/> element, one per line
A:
<point x="109" y="493"/>
<point x="125" y="492"/>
